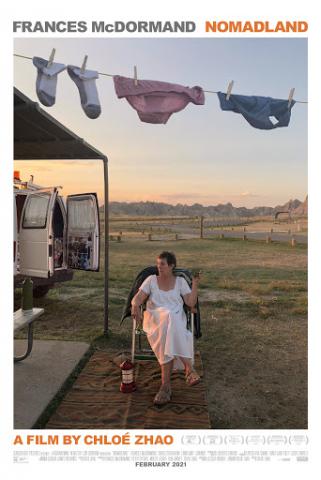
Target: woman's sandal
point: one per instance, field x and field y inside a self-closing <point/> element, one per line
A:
<point x="163" y="396"/>
<point x="192" y="378"/>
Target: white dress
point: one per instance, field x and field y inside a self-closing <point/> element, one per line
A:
<point x="165" y="321"/>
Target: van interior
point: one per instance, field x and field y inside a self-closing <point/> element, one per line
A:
<point x="79" y="251"/>
<point x="59" y="232"/>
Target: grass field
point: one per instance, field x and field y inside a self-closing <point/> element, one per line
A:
<point x="253" y="299"/>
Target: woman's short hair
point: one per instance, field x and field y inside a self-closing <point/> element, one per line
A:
<point x="169" y="257"/>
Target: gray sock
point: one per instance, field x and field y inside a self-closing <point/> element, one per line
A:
<point x="46" y="83"/>
<point x="86" y="85"/>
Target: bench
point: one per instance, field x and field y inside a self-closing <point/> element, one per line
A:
<point x="21" y="320"/>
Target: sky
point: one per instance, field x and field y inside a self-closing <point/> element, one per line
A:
<point x="202" y="155"/>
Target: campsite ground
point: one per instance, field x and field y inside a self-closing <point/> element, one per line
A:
<point x="253" y="300"/>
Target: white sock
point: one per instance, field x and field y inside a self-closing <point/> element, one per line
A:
<point x="86" y="85"/>
<point x="46" y="83"/>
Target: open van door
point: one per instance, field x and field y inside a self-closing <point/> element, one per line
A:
<point x="35" y="236"/>
<point x="83" y="232"/>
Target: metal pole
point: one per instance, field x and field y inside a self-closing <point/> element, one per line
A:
<point x="133" y="339"/>
<point x="193" y="339"/>
<point x="106" y="231"/>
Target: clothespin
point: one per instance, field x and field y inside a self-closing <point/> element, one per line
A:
<point x="229" y="89"/>
<point x="51" y="58"/>
<point x="83" y="67"/>
<point x="135" y="76"/>
<point x="291" y="96"/>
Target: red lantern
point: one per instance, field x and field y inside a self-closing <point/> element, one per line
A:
<point x="127" y="377"/>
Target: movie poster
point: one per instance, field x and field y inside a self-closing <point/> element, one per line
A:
<point x="160" y="221"/>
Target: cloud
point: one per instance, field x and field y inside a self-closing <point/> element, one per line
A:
<point x="249" y="194"/>
<point x="181" y="195"/>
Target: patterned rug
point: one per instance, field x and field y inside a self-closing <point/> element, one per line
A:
<point x="95" y="402"/>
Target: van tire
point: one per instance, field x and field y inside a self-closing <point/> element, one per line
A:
<point x="41" y="291"/>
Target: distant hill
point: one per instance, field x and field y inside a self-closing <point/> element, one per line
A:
<point x="302" y="209"/>
<point x="221" y="210"/>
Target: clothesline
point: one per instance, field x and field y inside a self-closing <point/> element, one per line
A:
<point x="110" y="75"/>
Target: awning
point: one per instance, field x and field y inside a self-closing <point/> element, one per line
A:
<point x="38" y="135"/>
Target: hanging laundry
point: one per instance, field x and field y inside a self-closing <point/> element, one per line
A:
<point x="86" y="84"/>
<point x="156" y="101"/>
<point x="265" y="113"/>
<point x="46" y="83"/>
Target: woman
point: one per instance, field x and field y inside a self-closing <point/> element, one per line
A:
<point x="165" y="322"/>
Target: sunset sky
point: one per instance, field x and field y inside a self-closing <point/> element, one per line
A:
<point x="202" y="154"/>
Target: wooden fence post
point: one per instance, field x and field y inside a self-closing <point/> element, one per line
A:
<point x="201" y="226"/>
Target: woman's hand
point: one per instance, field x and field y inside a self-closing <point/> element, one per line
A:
<point x="135" y="311"/>
<point x="137" y="301"/>
<point x="196" y="279"/>
<point x="136" y="314"/>
<point x="191" y="298"/>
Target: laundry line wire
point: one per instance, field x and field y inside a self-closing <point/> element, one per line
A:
<point x="110" y="75"/>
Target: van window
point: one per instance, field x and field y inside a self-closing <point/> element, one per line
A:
<point x="35" y="215"/>
<point x="81" y="214"/>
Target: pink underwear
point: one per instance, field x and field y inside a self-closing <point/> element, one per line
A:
<point x="155" y="101"/>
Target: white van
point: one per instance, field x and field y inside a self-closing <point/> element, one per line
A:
<point x="53" y="236"/>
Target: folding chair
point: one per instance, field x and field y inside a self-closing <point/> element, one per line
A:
<point x="147" y="354"/>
